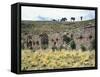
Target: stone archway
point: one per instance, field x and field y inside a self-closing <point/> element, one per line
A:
<point x="44" y="40"/>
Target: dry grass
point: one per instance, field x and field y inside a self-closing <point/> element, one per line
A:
<point x="48" y="59"/>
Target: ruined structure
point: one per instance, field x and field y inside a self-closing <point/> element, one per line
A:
<point x="51" y="38"/>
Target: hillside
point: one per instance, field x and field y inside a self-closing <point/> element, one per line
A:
<point x="54" y="26"/>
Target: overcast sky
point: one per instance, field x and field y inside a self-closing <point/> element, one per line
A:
<point x="44" y="14"/>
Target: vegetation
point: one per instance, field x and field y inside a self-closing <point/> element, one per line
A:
<point x="65" y="56"/>
<point x="83" y="47"/>
<point x="66" y="39"/>
<point x="73" y="45"/>
<point x="47" y="59"/>
<point x="49" y="26"/>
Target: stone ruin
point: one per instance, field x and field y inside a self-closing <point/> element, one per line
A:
<point x="56" y="40"/>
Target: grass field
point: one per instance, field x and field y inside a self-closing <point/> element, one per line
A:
<point x="48" y="59"/>
<point x="37" y="27"/>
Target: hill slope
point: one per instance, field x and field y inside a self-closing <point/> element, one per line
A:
<point x="50" y="26"/>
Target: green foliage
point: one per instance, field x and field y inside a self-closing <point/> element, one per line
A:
<point x="73" y="45"/>
<point x="66" y="39"/>
<point x="83" y="48"/>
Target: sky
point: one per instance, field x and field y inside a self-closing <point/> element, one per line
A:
<point x="47" y="14"/>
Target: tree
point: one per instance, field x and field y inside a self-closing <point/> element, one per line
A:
<point x="72" y="18"/>
<point x="81" y="18"/>
<point x="54" y="20"/>
<point x="64" y="19"/>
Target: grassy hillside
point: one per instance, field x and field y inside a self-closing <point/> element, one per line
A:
<point x="48" y="26"/>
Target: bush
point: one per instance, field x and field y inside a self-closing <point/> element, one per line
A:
<point x="73" y="45"/>
<point x="83" y="48"/>
<point x="66" y="39"/>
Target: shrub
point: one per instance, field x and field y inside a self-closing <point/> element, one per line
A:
<point x="66" y="39"/>
<point x="83" y="48"/>
<point x="73" y="45"/>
